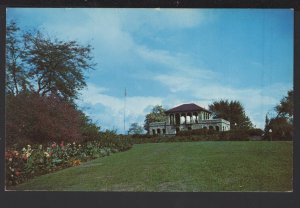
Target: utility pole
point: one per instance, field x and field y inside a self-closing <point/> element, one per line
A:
<point x="125" y="95"/>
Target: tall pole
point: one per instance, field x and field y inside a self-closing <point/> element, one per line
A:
<point x="125" y="94"/>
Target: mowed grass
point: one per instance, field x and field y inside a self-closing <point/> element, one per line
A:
<point x="186" y="166"/>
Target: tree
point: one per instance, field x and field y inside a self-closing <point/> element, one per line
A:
<point x="16" y="76"/>
<point x="232" y="111"/>
<point x="57" y="67"/>
<point x="157" y="114"/>
<point x="285" y="109"/>
<point x="282" y="124"/>
<point x="281" y="129"/>
<point x="267" y="127"/>
<point x="135" y="128"/>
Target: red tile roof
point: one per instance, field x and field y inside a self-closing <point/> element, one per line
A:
<point x="191" y="107"/>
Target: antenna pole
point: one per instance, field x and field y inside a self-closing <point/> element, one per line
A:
<point x="125" y="94"/>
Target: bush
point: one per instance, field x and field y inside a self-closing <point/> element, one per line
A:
<point x="255" y="132"/>
<point x="36" y="160"/>
<point x="35" y="119"/>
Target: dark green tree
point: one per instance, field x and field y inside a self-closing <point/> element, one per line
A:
<point x="233" y="111"/>
<point x="282" y="129"/>
<point x="285" y="109"/>
<point x="135" y="128"/>
<point x="16" y="76"/>
<point x="282" y="124"/>
<point x="267" y="127"/>
<point x="156" y="115"/>
<point x="56" y="67"/>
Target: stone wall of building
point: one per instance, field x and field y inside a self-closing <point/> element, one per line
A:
<point x="164" y="128"/>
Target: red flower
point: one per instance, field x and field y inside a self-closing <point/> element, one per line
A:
<point x="53" y="145"/>
<point x="8" y="155"/>
<point x="62" y="144"/>
<point x="18" y="173"/>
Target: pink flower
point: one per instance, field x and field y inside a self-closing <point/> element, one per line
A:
<point x="62" y="144"/>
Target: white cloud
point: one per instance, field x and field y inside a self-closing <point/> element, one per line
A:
<point x="112" y="108"/>
<point x="256" y="101"/>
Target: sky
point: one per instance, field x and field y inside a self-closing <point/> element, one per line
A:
<point x="173" y="56"/>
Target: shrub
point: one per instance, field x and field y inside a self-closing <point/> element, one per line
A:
<point x="255" y="132"/>
<point x="36" y="119"/>
<point x="35" y="160"/>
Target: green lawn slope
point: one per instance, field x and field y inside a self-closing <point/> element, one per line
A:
<point x="183" y="166"/>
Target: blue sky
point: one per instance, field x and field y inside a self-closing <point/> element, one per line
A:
<point x="175" y="56"/>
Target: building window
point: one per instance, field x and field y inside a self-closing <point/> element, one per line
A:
<point x="211" y="127"/>
<point x="217" y="128"/>
<point x="189" y="128"/>
<point x="153" y="131"/>
<point x="164" y="131"/>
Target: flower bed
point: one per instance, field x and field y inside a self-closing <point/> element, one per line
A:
<point x="36" y="160"/>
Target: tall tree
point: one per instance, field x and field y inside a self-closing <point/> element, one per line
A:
<point x="157" y="114"/>
<point x="57" y="67"/>
<point x="282" y="124"/>
<point x="285" y="109"/>
<point x="233" y="111"/>
<point x="135" y="128"/>
<point x="16" y="76"/>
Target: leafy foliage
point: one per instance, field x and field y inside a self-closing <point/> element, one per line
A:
<point x="16" y="76"/>
<point x="156" y="115"/>
<point x="56" y="66"/>
<point x="44" y="65"/>
<point x="135" y="128"/>
<point x="281" y="127"/>
<point x="31" y="118"/>
<point x="36" y="160"/>
<point x="285" y="108"/>
<point x="233" y="111"/>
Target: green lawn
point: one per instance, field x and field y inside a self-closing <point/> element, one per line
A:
<point x="186" y="166"/>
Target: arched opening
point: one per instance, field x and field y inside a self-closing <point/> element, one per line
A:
<point x="158" y="131"/>
<point x="211" y="128"/>
<point x="177" y="119"/>
<point x="153" y="131"/>
<point x="204" y="127"/>
<point x="171" y="119"/>
<point x="182" y="119"/>
<point x="189" y="118"/>
<point x="217" y="128"/>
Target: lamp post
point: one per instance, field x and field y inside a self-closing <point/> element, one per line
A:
<point x="235" y="124"/>
<point x="270" y="131"/>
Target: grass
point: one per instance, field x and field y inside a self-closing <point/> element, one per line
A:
<point x="186" y="166"/>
